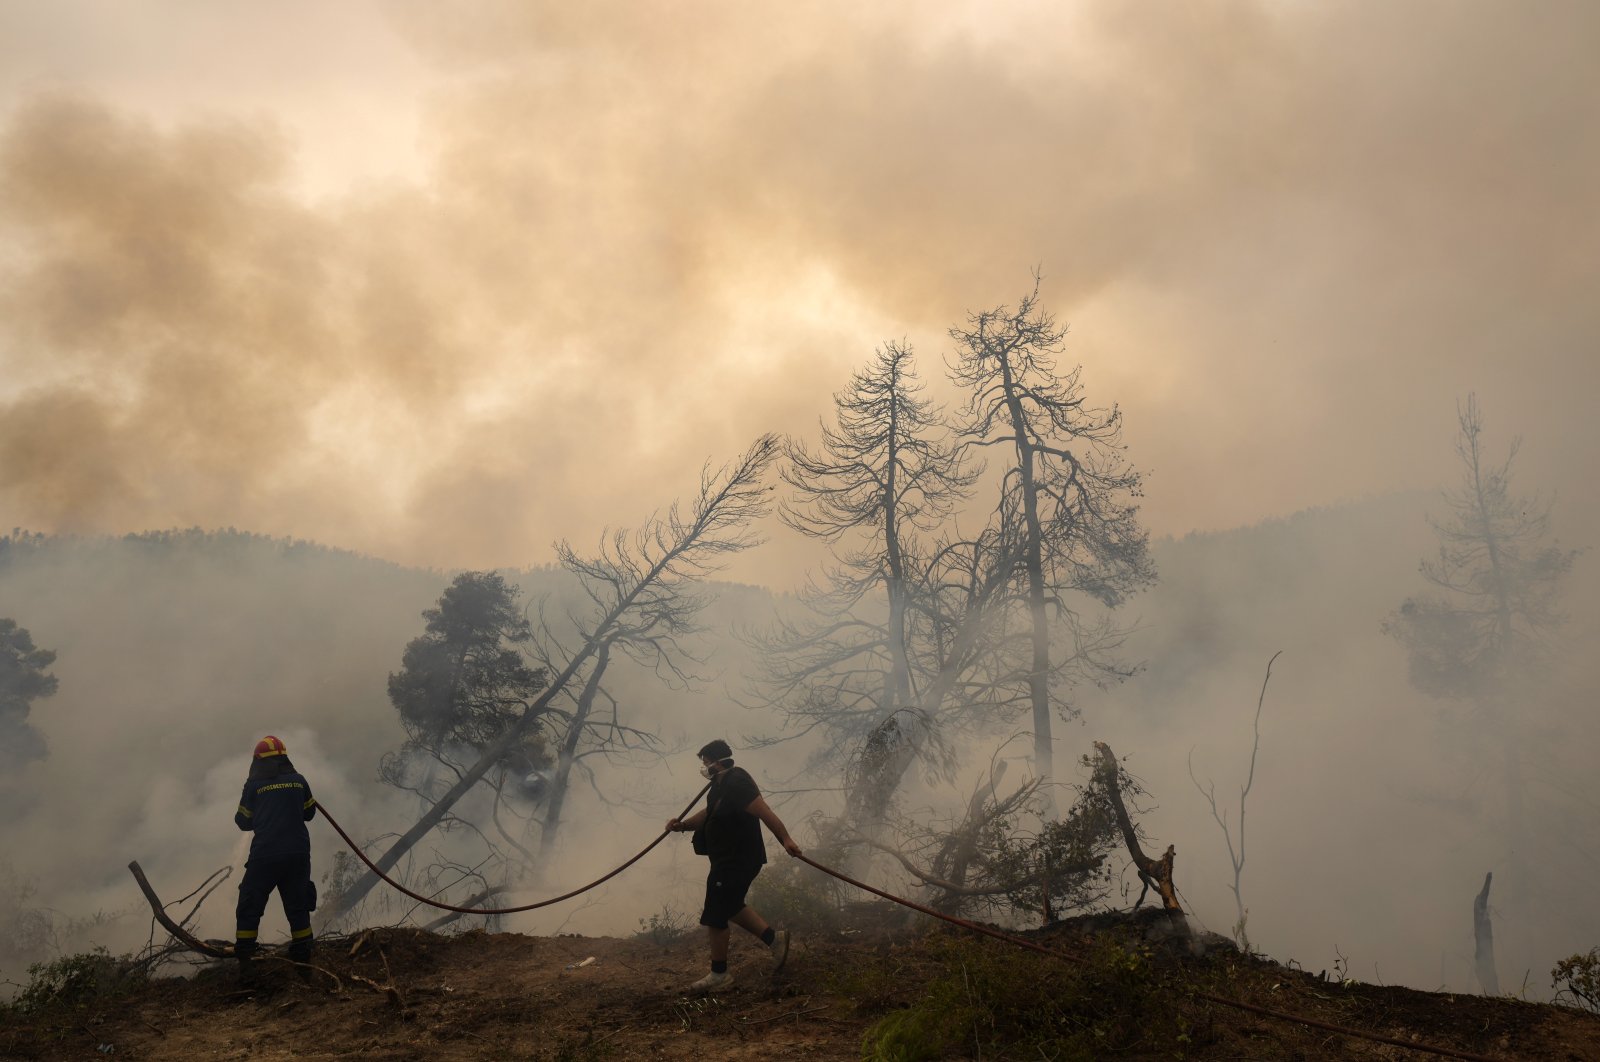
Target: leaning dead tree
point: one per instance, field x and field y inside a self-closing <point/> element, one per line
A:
<point x="636" y="577"/>
<point x="1154" y="873"/>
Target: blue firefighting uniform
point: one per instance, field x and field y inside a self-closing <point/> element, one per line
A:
<point x="276" y="810"/>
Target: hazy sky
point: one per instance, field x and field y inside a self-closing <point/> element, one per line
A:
<point x="447" y="282"/>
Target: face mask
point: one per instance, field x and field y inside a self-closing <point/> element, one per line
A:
<point x="706" y="771"/>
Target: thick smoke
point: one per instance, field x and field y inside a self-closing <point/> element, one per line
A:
<point x="1286" y="238"/>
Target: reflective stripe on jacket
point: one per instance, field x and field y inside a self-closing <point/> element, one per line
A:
<point x="276" y="810"/>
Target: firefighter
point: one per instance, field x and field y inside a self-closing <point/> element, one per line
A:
<point x="728" y="831"/>
<point x="276" y="805"/>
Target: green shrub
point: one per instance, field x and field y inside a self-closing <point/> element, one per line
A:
<point x="873" y="986"/>
<point x="73" y="981"/>
<point x="998" y="1000"/>
<point x="664" y="928"/>
<point x="904" y="1036"/>
<point x="1577" y="980"/>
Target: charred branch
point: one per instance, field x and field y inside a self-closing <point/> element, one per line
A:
<point x="180" y="934"/>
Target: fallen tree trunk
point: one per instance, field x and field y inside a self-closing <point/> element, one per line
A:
<point x="471" y="901"/>
<point x="1155" y="873"/>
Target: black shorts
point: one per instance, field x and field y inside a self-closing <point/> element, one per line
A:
<point x="726" y="886"/>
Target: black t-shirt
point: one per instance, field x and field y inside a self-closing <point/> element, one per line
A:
<point x="732" y="834"/>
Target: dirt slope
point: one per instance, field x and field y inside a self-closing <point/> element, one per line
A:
<point x="404" y="994"/>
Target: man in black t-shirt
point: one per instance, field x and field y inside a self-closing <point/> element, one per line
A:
<point x="728" y="831"/>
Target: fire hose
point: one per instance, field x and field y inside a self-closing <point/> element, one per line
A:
<point x="988" y="931"/>
<point x="963" y="923"/>
<point x="503" y="910"/>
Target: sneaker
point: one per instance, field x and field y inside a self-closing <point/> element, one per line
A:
<point x="711" y="982"/>
<point x="780" y="949"/>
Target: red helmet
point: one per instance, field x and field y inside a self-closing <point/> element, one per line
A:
<point x="270" y="746"/>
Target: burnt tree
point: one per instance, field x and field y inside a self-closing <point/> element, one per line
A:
<point x="1067" y="489"/>
<point x="1479" y="634"/>
<point x="658" y="561"/>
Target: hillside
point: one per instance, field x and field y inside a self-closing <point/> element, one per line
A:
<point x="405" y="994"/>
<point x="1373" y="820"/>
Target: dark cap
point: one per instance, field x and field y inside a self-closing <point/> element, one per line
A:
<point x="716" y="750"/>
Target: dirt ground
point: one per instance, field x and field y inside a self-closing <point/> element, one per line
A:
<point x="405" y="994"/>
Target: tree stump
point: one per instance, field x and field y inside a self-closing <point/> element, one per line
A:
<point x="1155" y="873"/>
